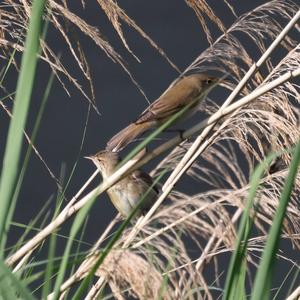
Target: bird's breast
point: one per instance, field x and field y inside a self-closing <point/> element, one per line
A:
<point x="119" y="198"/>
<point x="127" y="193"/>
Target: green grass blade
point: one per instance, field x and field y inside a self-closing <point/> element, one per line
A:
<point x="165" y="278"/>
<point x="10" y="283"/>
<point x="264" y="275"/>
<point x="30" y="227"/>
<point x="7" y="96"/>
<point x="49" y="266"/>
<point x="160" y="129"/>
<point x="236" y="274"/>
<point x="284" y="281"/>
<point x="77" y="225"/>
<point x="27" y="156"/>
<point x="85" y="283"/>
<point x="77" y="255"/>
<point x="36" y="229"/>
<point x="8" y="66"/>
<point x="293" y="282"/>
<point x="20" y="111"/>
<point x="77" y="158"/>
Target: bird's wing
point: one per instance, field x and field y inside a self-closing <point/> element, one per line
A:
<point x="139" y="175"/>
<point x="169" y="103"/>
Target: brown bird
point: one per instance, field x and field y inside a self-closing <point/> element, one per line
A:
<point x="126" y="193"/>
<point x="188" y="89"/>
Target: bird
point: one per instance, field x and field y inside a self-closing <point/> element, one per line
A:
<point x="190" y="88"/>
<point x="126" y="193"/>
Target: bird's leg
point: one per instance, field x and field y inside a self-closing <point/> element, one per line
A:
<point x="178" y="130"/>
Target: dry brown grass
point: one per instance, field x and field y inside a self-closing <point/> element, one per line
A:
<point x="139" y="265"/>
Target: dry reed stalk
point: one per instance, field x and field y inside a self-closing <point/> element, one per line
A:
<point x="200" y="215"/>
<point x="131" y="165"/>
<point x="248" y="75"/>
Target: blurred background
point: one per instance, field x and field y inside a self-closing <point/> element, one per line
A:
<point x="172" y="25"/>
<point x="69" y="121"/>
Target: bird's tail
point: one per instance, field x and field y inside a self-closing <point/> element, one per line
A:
<point x="127" y="135"/>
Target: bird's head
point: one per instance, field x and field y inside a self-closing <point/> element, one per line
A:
<point x="105" y="161"/>
<point x="204" y="80"/>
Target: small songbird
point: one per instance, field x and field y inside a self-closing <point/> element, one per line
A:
<point x="126" y="193"/>
<point x="188" y="89"/>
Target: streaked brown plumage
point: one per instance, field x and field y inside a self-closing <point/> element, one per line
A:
<point x="190" y="88"/>
<point x="126" y="193"/>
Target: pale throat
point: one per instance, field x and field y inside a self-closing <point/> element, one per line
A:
<point x="106" y="170"/>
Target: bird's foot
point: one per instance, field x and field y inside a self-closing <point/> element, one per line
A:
<point x="178" y="130"/>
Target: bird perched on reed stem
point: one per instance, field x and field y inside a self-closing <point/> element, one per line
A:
<point x="188" y="89"/>
<point x="126" y="193"/>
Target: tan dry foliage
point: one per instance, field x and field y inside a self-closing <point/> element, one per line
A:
<point x="207" y="219"/>
<point x="270" y="123"/>
<point x="202" y="10"/>
<point x="127" y="271"/>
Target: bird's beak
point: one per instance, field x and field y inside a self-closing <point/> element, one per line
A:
<point x="89" y="157"/>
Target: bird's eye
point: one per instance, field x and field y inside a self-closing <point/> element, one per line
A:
<point x="208" y="81"/>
